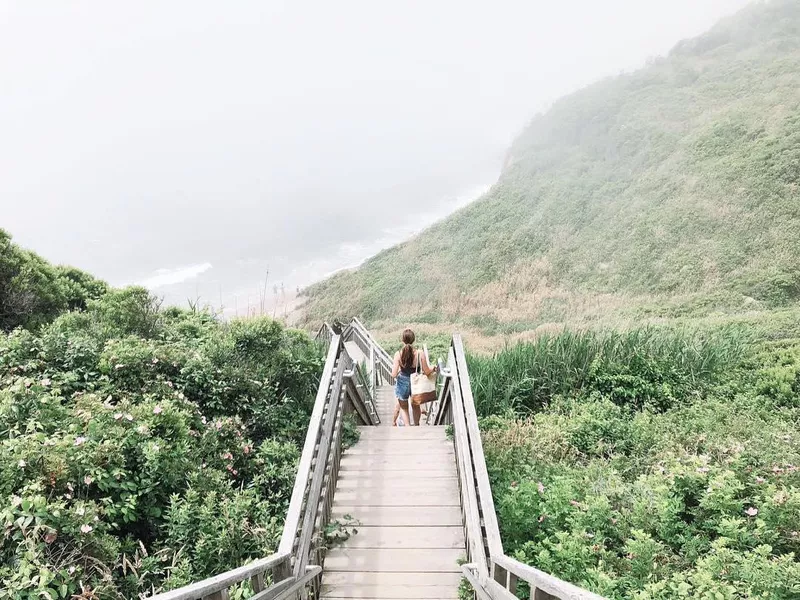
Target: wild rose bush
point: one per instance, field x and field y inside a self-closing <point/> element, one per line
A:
<point x="698" y="501"/>
<point x="144" y="448"/>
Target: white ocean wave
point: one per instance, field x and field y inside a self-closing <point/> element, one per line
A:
<point x="164" y="277"/>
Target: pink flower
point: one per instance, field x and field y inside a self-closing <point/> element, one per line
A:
<point x="751" y="512"/>
<point x="50" y="537"/>
<point x="246" y="449"/>
<point x="157" y="410"/>
<point x="80" y="511"/>
<point x="540" y="487"/>
<point x="86" y="528"/>
<point x="45" y="382"/>
<point x="88" y="480"/>
<point x="155" y="361"/>
<point x="574" y="503"/>
<point x="80" y="440"/>
<point x="21" y="464"/>
<point x="760" y="480"/>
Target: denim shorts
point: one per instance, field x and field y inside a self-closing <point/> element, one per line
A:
<point x="402" y="387"/>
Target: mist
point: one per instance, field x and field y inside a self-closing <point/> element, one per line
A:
<point x="211" y="150"/>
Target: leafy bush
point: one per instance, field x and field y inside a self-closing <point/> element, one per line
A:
<point x="695" y="498"/>
<point x="143" y="448"/>
<point x="33" y="292"/>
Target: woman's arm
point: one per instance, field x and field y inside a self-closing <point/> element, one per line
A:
<point x="396" y="365"/>
<point x="426" y="368"/>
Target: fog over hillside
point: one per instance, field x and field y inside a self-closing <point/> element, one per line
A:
<point x="194" y="146"/>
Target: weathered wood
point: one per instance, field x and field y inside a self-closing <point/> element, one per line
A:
<point x="393" y="560"/>
<point x="418" y="537"/>
<point x="421" y="485"/>
<point x="542" y="581"/>
<point x="307" y="531"/>
<point x="389" y="579"/>
<point x="293" y="515"/>
<point x="472" y="519"/>
<point x="398" y="497"/>
<point x="355" y="400"/>
<point x="209" y="586"/>
<point x="476" y="446"/>
<point x="392" y="517"/>
<point x="299" y="584"/>
<point x="408" y="590"/>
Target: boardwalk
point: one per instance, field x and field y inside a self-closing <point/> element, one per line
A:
<point x="400" y="484"/>
<point x="421" y="502"/>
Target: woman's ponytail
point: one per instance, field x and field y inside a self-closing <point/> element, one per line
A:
<point x="407" y="353"/>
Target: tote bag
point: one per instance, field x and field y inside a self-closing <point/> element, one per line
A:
<point x="423" y="387"/>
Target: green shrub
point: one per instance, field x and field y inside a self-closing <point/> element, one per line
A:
<point x="143" y="448"/>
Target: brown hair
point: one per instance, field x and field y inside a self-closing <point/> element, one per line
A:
<point x="407" y="353"/>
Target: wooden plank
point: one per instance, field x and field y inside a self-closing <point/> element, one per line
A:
<point x="472" y="518"/>
<point x="399" y="453"/>
<point x="318" y="476"/>
<point x="395" y="497"/>
<point x="402" y="445"/>
<point x="476" y="446"/>
<point x="223" y="581"/>
<point x="419" y="485"/>
<point x="403" y="592"/>
<point x="408" y="516"/>
<point x="293" y="515"/>
<point x="386" y="579"/>
<point x="405" y="474"/>
<point x="374" y="560"/>
<point x="413" y="463"/>
<point x="540" y="580"/>
<point x="407" y="537"/>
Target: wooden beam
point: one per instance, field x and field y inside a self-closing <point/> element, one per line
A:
<point x="476" y="446"/>
<point x="212" y="585"/>
<point x="293" y="515"/>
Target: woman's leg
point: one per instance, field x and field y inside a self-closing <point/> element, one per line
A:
<point x="403" y="404"/>
<point x="417" y="412"/>
<point x="396" y="413"/>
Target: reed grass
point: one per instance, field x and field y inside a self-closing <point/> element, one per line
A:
<point x="646" y="366"/>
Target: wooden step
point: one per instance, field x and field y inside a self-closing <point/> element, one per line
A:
<point x="407" y="591"/>
<point x="407" y="537"/>
<point x="407" y="473"/>
<point x="393" y="560"/>
<point x="420" y="485"/>
<point x="368" y="462"/>
<point x="410" y="515"/>
<point x="389" y="579"/>
<point x="395" y="497"/>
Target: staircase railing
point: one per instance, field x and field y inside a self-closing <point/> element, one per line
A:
<point x="294" y="571"/>
<point x="492" y="574"/>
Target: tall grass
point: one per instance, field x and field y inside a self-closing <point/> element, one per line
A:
<point x="649" y="366"/>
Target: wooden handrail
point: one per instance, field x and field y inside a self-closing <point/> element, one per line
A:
<point x="214" y="585"/>
<point x="295" y="569"/>
<point x="492" y="574"/>
<point x="298" y="562"/>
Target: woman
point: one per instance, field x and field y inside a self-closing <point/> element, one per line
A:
<point x="406" y="361"/>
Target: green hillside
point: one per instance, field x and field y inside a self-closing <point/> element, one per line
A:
<point x="667" y="192"/>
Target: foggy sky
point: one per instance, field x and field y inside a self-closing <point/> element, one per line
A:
<point x="206" y="142"/>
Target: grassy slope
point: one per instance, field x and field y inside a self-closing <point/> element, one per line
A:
<point x="669" y="192"/>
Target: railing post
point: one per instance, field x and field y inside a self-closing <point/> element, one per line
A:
<point x="373" y="371"/>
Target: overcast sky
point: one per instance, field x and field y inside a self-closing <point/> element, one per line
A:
<point x="192" y="145"/>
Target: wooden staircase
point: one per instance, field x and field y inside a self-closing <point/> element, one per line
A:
<point x="419" y="499"/>
<point x="399" y="485"/>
